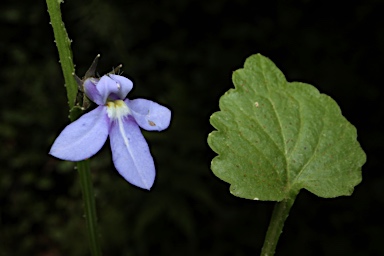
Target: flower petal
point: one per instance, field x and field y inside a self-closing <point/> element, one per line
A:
<point x="92" y="92"/>
<point x="84" y="137"/>
<point x="149" y="115"/>
<point x="107" y="87"/>
<point x="113" y="87"/>
<point x="125" y="85"/>
<point x="131" y="154"/>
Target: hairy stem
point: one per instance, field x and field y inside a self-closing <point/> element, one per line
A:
<point x="89" y="206"/>
<point x="65" y="54"/>
<point x="63" y="44"/>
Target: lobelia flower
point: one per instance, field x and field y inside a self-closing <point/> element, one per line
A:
<point x="120" y="119"/>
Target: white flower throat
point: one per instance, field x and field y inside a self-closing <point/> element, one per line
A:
<point x="117" y="109"/>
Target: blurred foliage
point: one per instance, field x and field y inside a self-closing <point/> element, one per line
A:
<point x="182" y="54"/>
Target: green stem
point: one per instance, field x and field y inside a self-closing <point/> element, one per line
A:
<point x="279" y="215"/>
<point x="65" y="54"/>
<point x="63" y="44"/>
<point x="89" y="206"/>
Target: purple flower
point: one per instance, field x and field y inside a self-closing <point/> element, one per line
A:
<point x="120" y="119"/>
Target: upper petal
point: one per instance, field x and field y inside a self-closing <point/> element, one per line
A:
<point x="83" y="138"/>
<point x="113" y="87"/>
<point x="125" y="85"/>
<point x="149" y="115"/>
<point x="107" y="87"/>
<point x="131" y="154"/>
<point x="92" y="92"/>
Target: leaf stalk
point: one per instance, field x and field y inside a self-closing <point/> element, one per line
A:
<point x="275" y="228"/>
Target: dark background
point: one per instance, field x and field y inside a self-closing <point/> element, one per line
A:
<point x="181" y="53"/>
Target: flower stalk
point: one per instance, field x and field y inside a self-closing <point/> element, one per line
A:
<point x="65" y="55"/>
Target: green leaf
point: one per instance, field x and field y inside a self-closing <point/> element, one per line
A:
<point x="274" y="138"/>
